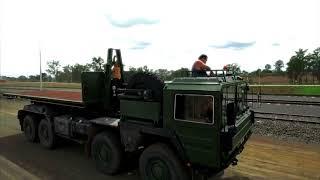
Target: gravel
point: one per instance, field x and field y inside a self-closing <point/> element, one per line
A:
<point x="288" y="131"/>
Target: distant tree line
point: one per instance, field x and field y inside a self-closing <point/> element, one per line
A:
<point x="302" y="67"/>
<point x="72" y="73"/>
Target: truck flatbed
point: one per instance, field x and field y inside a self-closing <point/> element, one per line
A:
<point x="69" y="98"/>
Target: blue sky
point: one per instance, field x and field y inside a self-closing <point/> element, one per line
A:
<point x="159" y="34"/>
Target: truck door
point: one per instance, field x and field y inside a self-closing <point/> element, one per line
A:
<point x="194" y="122"/>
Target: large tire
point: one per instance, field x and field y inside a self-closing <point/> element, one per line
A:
<point x="46" y="135"/>
<point x="30" y="128"/>
<point x="158" y="162"/>
<point x="107" y="153"/>
<point x="148" y="81"/>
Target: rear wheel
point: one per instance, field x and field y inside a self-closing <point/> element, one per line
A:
<point x="30" y="128"/>
<point x="46" y="135"/>
<point x="107" y="153"/>
<point x="158" y="162"/>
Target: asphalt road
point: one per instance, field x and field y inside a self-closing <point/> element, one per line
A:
<point x="67" y="161"/>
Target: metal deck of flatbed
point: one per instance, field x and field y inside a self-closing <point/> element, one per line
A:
<point x="50" y="97"/>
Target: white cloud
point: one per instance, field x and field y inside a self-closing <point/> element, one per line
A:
<point x="176" y="32"/>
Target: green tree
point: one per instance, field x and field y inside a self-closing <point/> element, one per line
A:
<point x="22" y="78"/>
<point x="65" y="75"/>
<point x="53" y="67"/>
<point x="308" y="65"/>
<point x="33" y="78"/>
<point x="164" y="74"/>
<point x="296" y="65"/>
<point x="97" y="64"/>
<point x="278" y="65"/>
<point x="315" y="64"/>
<point x="45" y="77"/>
<point x="182" y="72"/>
<point x="234" y="67"/>
<point x="144" y="69"/>
<point x="267" y="68"/>
<point x="77" y="70"/>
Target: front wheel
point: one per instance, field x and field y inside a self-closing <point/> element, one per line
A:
<point x="107" y="152"/>
<point x="158" y="162"/>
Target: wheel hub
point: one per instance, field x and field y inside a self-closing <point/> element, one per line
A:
<point x="44" y="132"/>
<point x="159" y="170"/>
<point x="104" y="153"/>
<point x="28" y="129"/>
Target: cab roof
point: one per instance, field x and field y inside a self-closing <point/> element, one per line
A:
<point x="197" y="83"/>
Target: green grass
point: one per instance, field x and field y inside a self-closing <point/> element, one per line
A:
<point x="299" y="90"/>
<point x="313" y="90"/>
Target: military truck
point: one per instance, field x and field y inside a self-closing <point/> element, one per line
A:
<point x="180" y="129"/>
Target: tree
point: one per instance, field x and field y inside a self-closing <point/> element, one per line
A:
<point x="278" y="65"/>
<point x="296" y="65"/>
<point x="182" y="72"/>
<point x="77" y="70"/>
<point x="53" y="67"/>
<point x="267" y="68"/>
<point x="45" y="77"/>
<point x="33" y="78"/>
<point x="97" y="64"/>
<point x="22" y="78"/>
<point x="315" y="64"/>
<point x="65" y="75"/>
<point x="164" y="74"/>
<point x="234" y="67"/>
<point x="308" y="63"/>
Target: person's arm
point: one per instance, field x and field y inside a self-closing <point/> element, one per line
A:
<point x="203" y="66"/>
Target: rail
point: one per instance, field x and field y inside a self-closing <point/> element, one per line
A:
<point x="288" y="117"/>
<point x="274" y="101"/>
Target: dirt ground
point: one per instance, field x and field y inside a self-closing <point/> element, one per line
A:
<point x="262" y="158"/>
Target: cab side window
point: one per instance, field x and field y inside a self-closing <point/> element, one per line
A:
<point x="194" y="108"/>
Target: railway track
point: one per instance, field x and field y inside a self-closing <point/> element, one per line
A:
<point x="274" y="101"/>
<point x="288" y="117"/>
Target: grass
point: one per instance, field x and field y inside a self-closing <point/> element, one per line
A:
<point x="299" y="90"/>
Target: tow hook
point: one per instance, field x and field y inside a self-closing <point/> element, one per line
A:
<point x="234" y="161"/>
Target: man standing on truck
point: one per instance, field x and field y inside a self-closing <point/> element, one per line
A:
<point x="199" y="67"/>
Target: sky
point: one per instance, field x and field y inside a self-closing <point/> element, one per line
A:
<point x="159" y="34"/>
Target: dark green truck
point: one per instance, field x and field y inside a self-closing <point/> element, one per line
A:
<point x="182" y="129"/>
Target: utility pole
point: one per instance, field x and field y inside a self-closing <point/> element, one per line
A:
<point x="0" y="57"/>
<point x="40" y="71"/>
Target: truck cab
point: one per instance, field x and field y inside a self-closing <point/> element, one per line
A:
<point x="199" y="111"/>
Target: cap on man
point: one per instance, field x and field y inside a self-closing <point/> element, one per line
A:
<point x="199" y="67"/>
